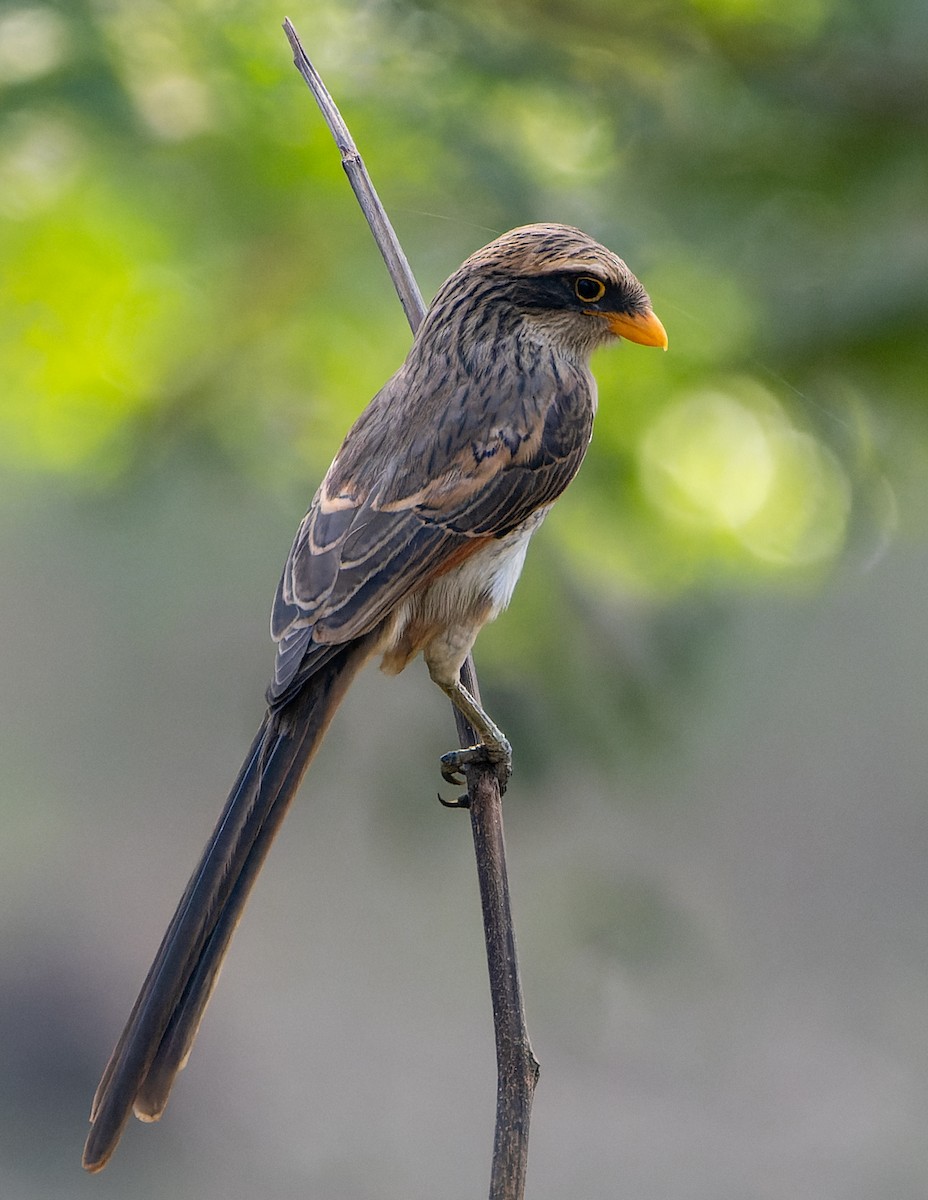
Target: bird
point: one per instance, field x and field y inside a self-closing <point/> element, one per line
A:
<point x="413" y="541"/>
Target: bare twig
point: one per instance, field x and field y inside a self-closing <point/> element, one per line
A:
<point x="384" y="234"/>
<point x="517" y="1069"/>
<point x="516" y="1065"/>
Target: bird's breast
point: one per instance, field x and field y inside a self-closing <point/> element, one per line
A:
<point x="461" y="598"/>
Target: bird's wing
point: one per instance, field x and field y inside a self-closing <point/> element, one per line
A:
<point x="410" y="495"/>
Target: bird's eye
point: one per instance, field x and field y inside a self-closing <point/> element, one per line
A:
<point x="588" y="289"/>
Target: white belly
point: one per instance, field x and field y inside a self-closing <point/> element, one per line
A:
<point x="488" y="577"/>
<point x="444" y="618"/>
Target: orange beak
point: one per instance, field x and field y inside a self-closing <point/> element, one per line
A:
<point x="643" y="328"/>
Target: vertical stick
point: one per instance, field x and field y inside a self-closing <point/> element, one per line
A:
<point x="517" y="1069"/>
<point x="516" y="1065"/>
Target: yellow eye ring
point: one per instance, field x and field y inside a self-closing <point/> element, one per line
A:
<point x="588" y="289"/>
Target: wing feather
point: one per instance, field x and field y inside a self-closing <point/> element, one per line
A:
<point x="407" y="493"/>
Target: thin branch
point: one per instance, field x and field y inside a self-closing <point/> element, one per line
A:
<point x="517" y="1068"/>
<point x="516" y="1065"/>
<point x="384" y="234"/>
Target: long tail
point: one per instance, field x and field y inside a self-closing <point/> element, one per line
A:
<point x="163" y="1023"/>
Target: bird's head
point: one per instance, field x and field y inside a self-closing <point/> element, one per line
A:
<point x="560" y="280"/>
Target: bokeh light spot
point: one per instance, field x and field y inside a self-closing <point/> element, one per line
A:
<point x="708" y="461"/>
<point x="32" y="43"/>
<point x="730" y="462"/>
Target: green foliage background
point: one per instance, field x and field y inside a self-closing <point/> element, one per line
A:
<point x="191" y="314"/>
<point x="182" y="260"/>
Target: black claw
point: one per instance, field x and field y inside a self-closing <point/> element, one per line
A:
<point x="453" y="765"/>
<point x="461" y="802"/>
<point x="451" y="773"/>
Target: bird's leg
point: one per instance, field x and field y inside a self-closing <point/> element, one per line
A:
<point x="493" y="749"/>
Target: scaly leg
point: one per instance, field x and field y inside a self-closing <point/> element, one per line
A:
<point x="493" y="749"/>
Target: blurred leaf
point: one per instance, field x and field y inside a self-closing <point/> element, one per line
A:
<point x="183" y="265"/>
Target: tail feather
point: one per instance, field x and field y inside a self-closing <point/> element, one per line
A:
<point x="178" y="1039"/>
<point x="163" y="1023"/>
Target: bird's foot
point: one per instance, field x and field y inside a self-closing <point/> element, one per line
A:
<point x="496" y="755"/>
